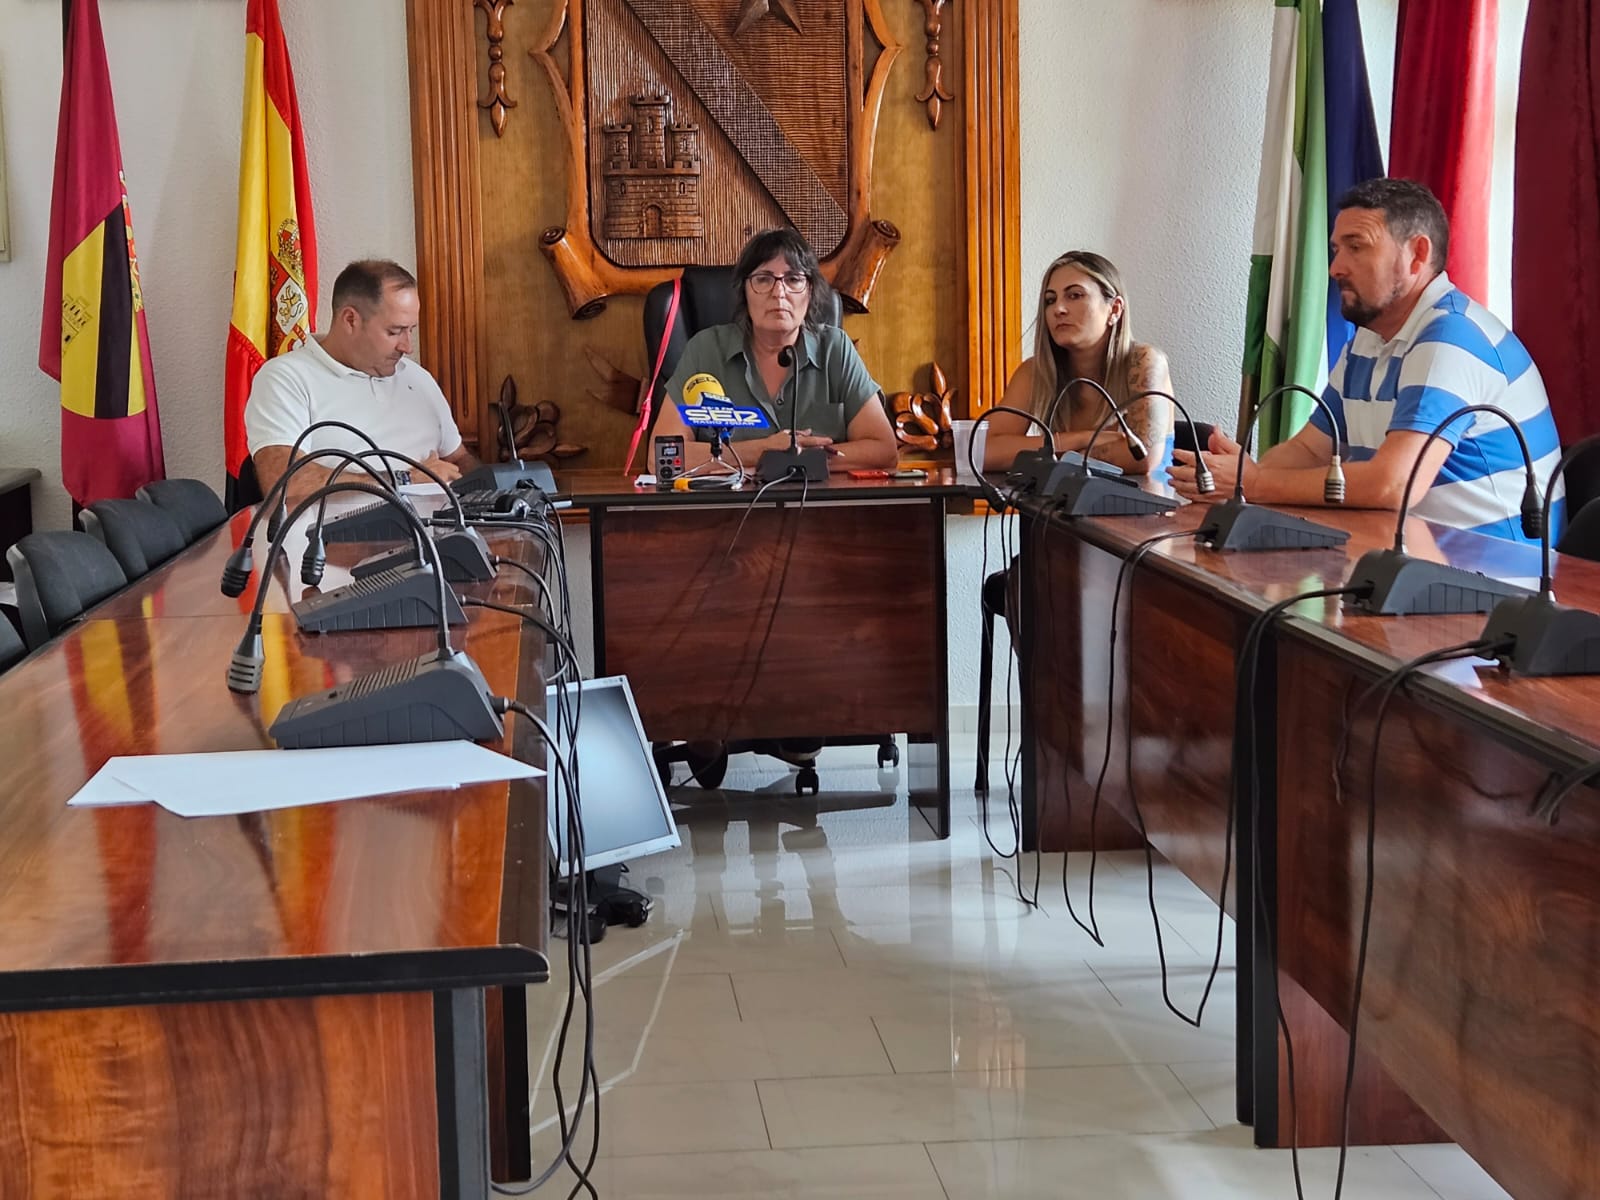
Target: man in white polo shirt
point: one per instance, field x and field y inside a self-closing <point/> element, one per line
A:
<point x="357" y="373"/>
<point x="1423" y="349"/>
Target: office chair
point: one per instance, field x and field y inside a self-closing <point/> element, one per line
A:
<point x="195" y="507"/>
<point x="12" y="647"/>
<point x="60" y="574"/>
<point x="706" y="298"/>
<point x="1581" y="537"/>
<point x="140" y="535"/>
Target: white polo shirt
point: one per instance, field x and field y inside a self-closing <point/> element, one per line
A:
<point x="404" y="412"/>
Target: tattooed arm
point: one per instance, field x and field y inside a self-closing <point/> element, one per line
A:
<point x="1149" y="418"/>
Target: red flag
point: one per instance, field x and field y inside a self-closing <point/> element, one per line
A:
<point x="93" y="338"/>
<point x="275" y="256"/>
<point x="1442" y="129"/>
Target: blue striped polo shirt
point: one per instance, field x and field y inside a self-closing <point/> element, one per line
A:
<point x="1451" y="352"/>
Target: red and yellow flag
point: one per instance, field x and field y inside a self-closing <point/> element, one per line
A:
<point x="93" y="338"/>
<point x="275" y="263"/>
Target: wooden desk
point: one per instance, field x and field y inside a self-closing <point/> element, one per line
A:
<point x="1478" y="1021"/>
<point x="295" y="1003"/>
<point x="826" y="620"/>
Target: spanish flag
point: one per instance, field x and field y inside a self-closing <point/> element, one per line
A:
<point x="275" y="262"/>
<point x="93" y="339"/>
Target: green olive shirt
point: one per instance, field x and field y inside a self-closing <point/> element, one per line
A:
<point x="833" y="383"/>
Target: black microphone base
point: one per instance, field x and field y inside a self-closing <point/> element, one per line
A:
<point x="398" y="599"/>
<point x="809" y="464"/>
<point x="1546" y="638"/>
<point x="429" y="699"/>
<point x="1396" y="585"/>
<point x="1041" y="472"/>
<point x="1074" y="494"/>
<point x="1235" y="525"/>
<point x="502" y="477"/>
<point x="465" y="555"/>
<point x="377" y="522"/>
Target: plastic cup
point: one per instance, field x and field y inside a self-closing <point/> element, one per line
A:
<point x="962" y="434"/>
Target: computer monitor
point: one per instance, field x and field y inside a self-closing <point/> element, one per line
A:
<point x="625" y="809"/>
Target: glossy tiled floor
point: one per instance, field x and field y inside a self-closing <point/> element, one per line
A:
<point x="833" y="1004"/>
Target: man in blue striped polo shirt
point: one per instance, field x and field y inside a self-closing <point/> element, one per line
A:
<point x="1422" y="350"/>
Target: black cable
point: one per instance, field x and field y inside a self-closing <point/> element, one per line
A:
<point x="1547" y="805"/>
<point x="1245" y="679"/>
<point x="777" y="600"/>
<point x="569" y="668"/>
<point x="1125" y="575"/>
<point x="1389" y="684"/>
<point x="579" y="961"/>
<point x="544" y="586"/>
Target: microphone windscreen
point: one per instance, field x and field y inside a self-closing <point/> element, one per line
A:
<point x="703" y="387"/>
<point x="786" y="357"/>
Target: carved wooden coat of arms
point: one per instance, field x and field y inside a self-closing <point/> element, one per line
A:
<point x="694" y="123"/>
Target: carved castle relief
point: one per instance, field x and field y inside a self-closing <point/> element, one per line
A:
<point x="652" y="174"/>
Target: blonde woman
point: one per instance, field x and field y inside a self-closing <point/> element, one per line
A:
<point x="1083" y="332"/>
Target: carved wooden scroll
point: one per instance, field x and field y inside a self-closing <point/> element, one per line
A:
<point x="922" y="419"/>
<point x="993" y="200"/>
<point x="498" y="102"/>
<point x="694" y="123"/>
<point x="933" y="93"/>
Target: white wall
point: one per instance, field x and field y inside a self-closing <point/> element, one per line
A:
<point x="177" y="69"/>
<point x="1141" y="139"/>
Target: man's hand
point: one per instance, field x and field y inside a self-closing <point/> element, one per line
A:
<point x="809" y="439"/>
<point x="444" y="469"/>
<point x="1225" y="458"/>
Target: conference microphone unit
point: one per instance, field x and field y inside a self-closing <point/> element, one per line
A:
<point x="1391" y="583"/>
<point x="399" y="598"/>
<point x="467" y="557"/>
<point x="800" y="465"/>
<point x="1079" y="492"/>
<point x="1236" y="524"/>
<point x="500" y="477"/>
<point x="370" y="523"/>
<point x="434" y="698"/>
<point x="1546" y="638"/>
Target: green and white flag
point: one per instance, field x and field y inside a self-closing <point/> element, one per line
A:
<point x="1286" y="322"/>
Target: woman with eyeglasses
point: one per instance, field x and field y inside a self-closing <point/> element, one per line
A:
<point x="781" y="302"/>
<point x="1083" y="332"/>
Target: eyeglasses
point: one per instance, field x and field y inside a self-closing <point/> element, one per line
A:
<point x="761" y="282"/>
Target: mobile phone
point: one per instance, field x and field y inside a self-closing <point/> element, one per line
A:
<point x="870" y="473"/>
<point x="910" y="473"/>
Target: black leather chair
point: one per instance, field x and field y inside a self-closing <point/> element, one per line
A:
<point x="194" y="506"/>
<point x="706" y="299"/>
<point x="12" y="647"/>
<point x="1581" y="537"/>
<point x="60" y="574"/>
<point x="140" y="535"/>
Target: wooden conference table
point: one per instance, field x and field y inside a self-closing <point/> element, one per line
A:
<point x="304" y="1002"/>
<point x="1479" y="1020"/>
<point x="825" y="618"/>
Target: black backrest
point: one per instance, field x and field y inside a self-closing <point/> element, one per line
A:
<point x="60" y="573"/>
<point x="1581" y="537"/>
<point x="140" y="535"/>
<point x="12" y="647"/>
<point x="706" y="299"/>
<point x="194" y="506"/>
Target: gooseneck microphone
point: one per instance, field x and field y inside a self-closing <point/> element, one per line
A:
<point x="1078" y="490"/>
<point x="280" y="508"/>
<point x="236" y="571"/>
<point x="1236" y="524"/>
<point x="1204" y="482"/>
<point x="808" y="465"/>
<point x="1135" y="444"/>
<point x="438" y="696"/>
<point x="1391" y="583"/>
<point x="1547" y="638"/>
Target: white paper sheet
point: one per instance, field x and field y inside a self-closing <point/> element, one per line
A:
<point x="197" y="785"/>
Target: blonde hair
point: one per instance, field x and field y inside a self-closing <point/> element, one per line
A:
<point x="1050" y="361"/>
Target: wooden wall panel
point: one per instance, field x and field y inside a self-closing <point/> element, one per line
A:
<point x="445" y="127"/>
<point x="921" y="307"/>
<point x="253" y="1100"/>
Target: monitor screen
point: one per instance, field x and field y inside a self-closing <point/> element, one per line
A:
<point x="625" y="810"/>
